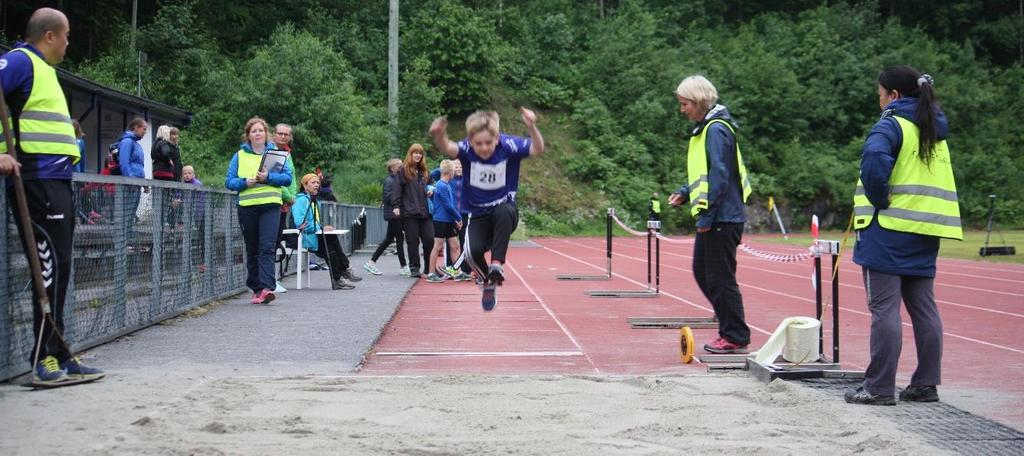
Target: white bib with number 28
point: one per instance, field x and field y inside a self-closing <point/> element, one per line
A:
<point x="488" y="177"/>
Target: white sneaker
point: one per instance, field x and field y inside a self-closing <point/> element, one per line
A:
<point x="371" y="267"/>
<point x="280" y="289"/>
<point x="404" y="271"/>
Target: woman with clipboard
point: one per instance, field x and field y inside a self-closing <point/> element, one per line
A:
<point x="257" y="173"/>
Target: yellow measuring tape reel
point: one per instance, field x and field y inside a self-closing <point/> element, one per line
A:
<point x="686" y="344"/>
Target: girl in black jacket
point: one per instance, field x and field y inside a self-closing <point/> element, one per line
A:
<point x="394" y="233"/>
<point x="409" y="203"/>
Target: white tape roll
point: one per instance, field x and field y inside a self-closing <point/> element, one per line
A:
<point x="796" y="339"/>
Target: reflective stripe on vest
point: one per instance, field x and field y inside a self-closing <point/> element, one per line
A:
<point x="44" y="126"/>
<point x="922" y="197"/>
<point x="697" y="169"/>
<point x="248" y="164"/>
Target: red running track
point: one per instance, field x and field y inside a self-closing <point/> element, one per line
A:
<point x="545" y="326"/>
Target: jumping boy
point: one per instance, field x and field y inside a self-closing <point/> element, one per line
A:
<point x="447" y="221"/>
<point x="490" y="161"/>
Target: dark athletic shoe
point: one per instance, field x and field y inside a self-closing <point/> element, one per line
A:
<point x="49" y="370"/>
<point x="496" y="274"/>
<point x="341" y="284"/>
<point x="77" y="370"/>
<point x="350" y="276"/>
<point x="490" y="297"/>
<point x="861" y="396"/>
<point x="919" y="394"/>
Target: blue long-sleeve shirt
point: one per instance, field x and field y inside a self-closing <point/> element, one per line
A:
<point x="232" y="181"/>
<point x="130" y="155"/>
<point x="878" y="248"/>
<point x="445" y="208"/>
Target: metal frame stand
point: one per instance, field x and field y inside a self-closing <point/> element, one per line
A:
<point x="824" y="367"/>
<point x="653" y="289"/>
<point x="1001" y="250"/>
<point x="608" y="250"/>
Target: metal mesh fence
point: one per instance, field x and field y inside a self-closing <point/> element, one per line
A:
<point x="144" y="251"/>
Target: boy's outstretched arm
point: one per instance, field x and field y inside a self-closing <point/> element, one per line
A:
<point x="530" y="119"/>
<point x="439" y="131"/>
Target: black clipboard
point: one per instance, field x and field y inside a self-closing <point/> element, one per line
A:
<point x="273" y="161"/>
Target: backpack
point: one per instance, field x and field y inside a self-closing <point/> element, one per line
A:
<point x="113" y="155"/>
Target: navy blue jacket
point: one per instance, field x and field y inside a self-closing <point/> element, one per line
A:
<point x="725" y="192"/>
<point x="881" y="249"/>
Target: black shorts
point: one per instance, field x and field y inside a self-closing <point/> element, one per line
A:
<point x="444" y="230"/>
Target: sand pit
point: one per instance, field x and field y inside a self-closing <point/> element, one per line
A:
<point x="589" y="415"/>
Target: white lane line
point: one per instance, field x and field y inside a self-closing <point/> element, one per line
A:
<point x="827" y="280"/>
<point x="663" y="292"/>
<point x="794" y="297"/>
<point x="490" y="354"/>
<point x="553" y="317"/>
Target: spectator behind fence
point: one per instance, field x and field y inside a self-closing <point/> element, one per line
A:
<point x="188" y="176"/>
<point x="131" y="161"/>
<point x="80" y="141"/>
<point x="167" y="167"/>
<point x="409" y="202"/>
<point x="306" y="216"/>
<point x="259" y="207"/>
<point x="282" y="141"/>
<point x="166" y="154"/>
<point x="47" y="152"/>
<point x="394" y="233"/>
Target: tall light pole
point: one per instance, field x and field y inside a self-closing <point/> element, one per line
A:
<point x="393" y="76"/>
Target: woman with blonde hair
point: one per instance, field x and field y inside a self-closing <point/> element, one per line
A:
<point x="259" y="206"/>
<point x="717" y="189"/>
<point x="409" y="203"/>
<point x="394" y="233"/>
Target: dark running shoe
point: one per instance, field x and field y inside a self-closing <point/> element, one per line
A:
<point x="496" y="274"/>
<point x="350" y="276"/>
<point x="920" y="394"/>
<point x="49" y="370"/>
<point x="341" y="284"/>
<point x="861" y="396"/>
<point x="77" y="370"/>
<point x="490" y="296"/>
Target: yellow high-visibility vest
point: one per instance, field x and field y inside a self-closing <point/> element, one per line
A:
<point x="655" y="206"/>
<point x="44" y="126"/>
<point x="248" y="165"/>
<point x="697" y="169"/>
<point x="922" y="197"/>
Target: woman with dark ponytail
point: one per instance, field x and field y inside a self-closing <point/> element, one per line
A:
<point x="905" y="202"/>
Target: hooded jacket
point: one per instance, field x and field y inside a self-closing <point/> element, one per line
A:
<point x="130" y="156"/>
<point x="877" y="248"/>
<point x="725" y="195"/>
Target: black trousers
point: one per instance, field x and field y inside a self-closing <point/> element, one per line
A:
<point x="396" y="235"/>
<point x="417" y="231"/>
<point x="259" y="230"/>
<point x="714" y="267"/>
<point x="331" y="251"/>
<point x="51" y="206"/>
<point x="490" y="232"/>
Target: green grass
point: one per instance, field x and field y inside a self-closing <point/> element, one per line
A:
<point x="967" y="250"/>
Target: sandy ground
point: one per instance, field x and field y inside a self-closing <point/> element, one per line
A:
<point x="706" y="414"/>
